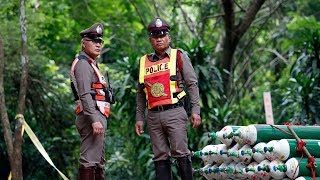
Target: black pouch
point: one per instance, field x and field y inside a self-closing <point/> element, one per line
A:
<point x="109" y="92"/>
<point x="186" y="104"/>
<point x="109" y="95"/>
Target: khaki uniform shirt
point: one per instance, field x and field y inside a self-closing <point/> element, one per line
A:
<point x="186" y="78"/>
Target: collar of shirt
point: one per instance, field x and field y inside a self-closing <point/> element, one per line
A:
<point x="154" y="57"/>
<point x="84" y="54"/>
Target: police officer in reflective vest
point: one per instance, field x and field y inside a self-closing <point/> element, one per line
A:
<point x="163" y="75"/>
<point x="93" y="104"/>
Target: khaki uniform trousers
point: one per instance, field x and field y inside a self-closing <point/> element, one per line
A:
<point x="168" y="133"/>
<point x="92" y="151"/>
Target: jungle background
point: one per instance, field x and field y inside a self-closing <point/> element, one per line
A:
<point x="239" y="49"/>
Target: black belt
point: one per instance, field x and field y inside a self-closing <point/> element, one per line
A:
<point x="167" y="106"/>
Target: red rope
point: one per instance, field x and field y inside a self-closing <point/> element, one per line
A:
<point x="310" y="165"/>
<point x="311" y="159"/>
<point x="300" y="146"/>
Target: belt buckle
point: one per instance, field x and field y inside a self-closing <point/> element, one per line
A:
<point x="160" y="108"/>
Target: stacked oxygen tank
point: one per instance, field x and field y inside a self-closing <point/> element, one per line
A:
<point x="262" y="152"/>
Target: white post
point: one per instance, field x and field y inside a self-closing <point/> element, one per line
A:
<point x="268" y="108"/>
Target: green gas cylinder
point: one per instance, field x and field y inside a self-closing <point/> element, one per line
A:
<point x="295" y="167"/>
<point x="224" y="135"/>
<point x="253" y="134"/>
<point x="287" y="148"/>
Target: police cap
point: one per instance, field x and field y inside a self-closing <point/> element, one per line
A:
<point x="93" y="32"/>
<point x="158" y="27"/>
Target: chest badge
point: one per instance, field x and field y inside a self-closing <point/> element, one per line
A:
<point x="157" y="89"/>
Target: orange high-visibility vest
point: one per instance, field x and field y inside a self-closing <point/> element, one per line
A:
<point x="159" y="79"/>
<point x="99" y="87"/>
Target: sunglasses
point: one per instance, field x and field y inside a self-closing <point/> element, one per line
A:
<point x="95" y="41"/>
<point x="158" y="33"/>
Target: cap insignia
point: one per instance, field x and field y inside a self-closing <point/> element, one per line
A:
<point x="99" y="29"/>
<point x="158" y="23"/>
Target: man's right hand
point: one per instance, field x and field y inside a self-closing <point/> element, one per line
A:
<point x="97" y="128"/>
<point x="139" y="127"/>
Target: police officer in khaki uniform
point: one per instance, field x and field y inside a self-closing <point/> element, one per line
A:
<point x="92" y="110"/>
<point x="163" y="75"/>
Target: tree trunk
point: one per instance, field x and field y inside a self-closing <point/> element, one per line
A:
<point x="233" y="34"/>
<point x="14" y="145"/>
<point x="3" y="110"/>
<point x="17" y="171"/>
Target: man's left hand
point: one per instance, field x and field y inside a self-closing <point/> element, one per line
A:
<point x="195" y="120"/>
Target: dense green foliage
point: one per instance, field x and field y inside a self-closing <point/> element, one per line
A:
<point x="279" y="53"/>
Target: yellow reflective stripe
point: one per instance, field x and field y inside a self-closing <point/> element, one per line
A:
<point x="173" y="72"/>
<point x="142" y="69"/>
<point x="173" y="62"/>
<point x="38" y="145"/>
<point x="142" y="73"/>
